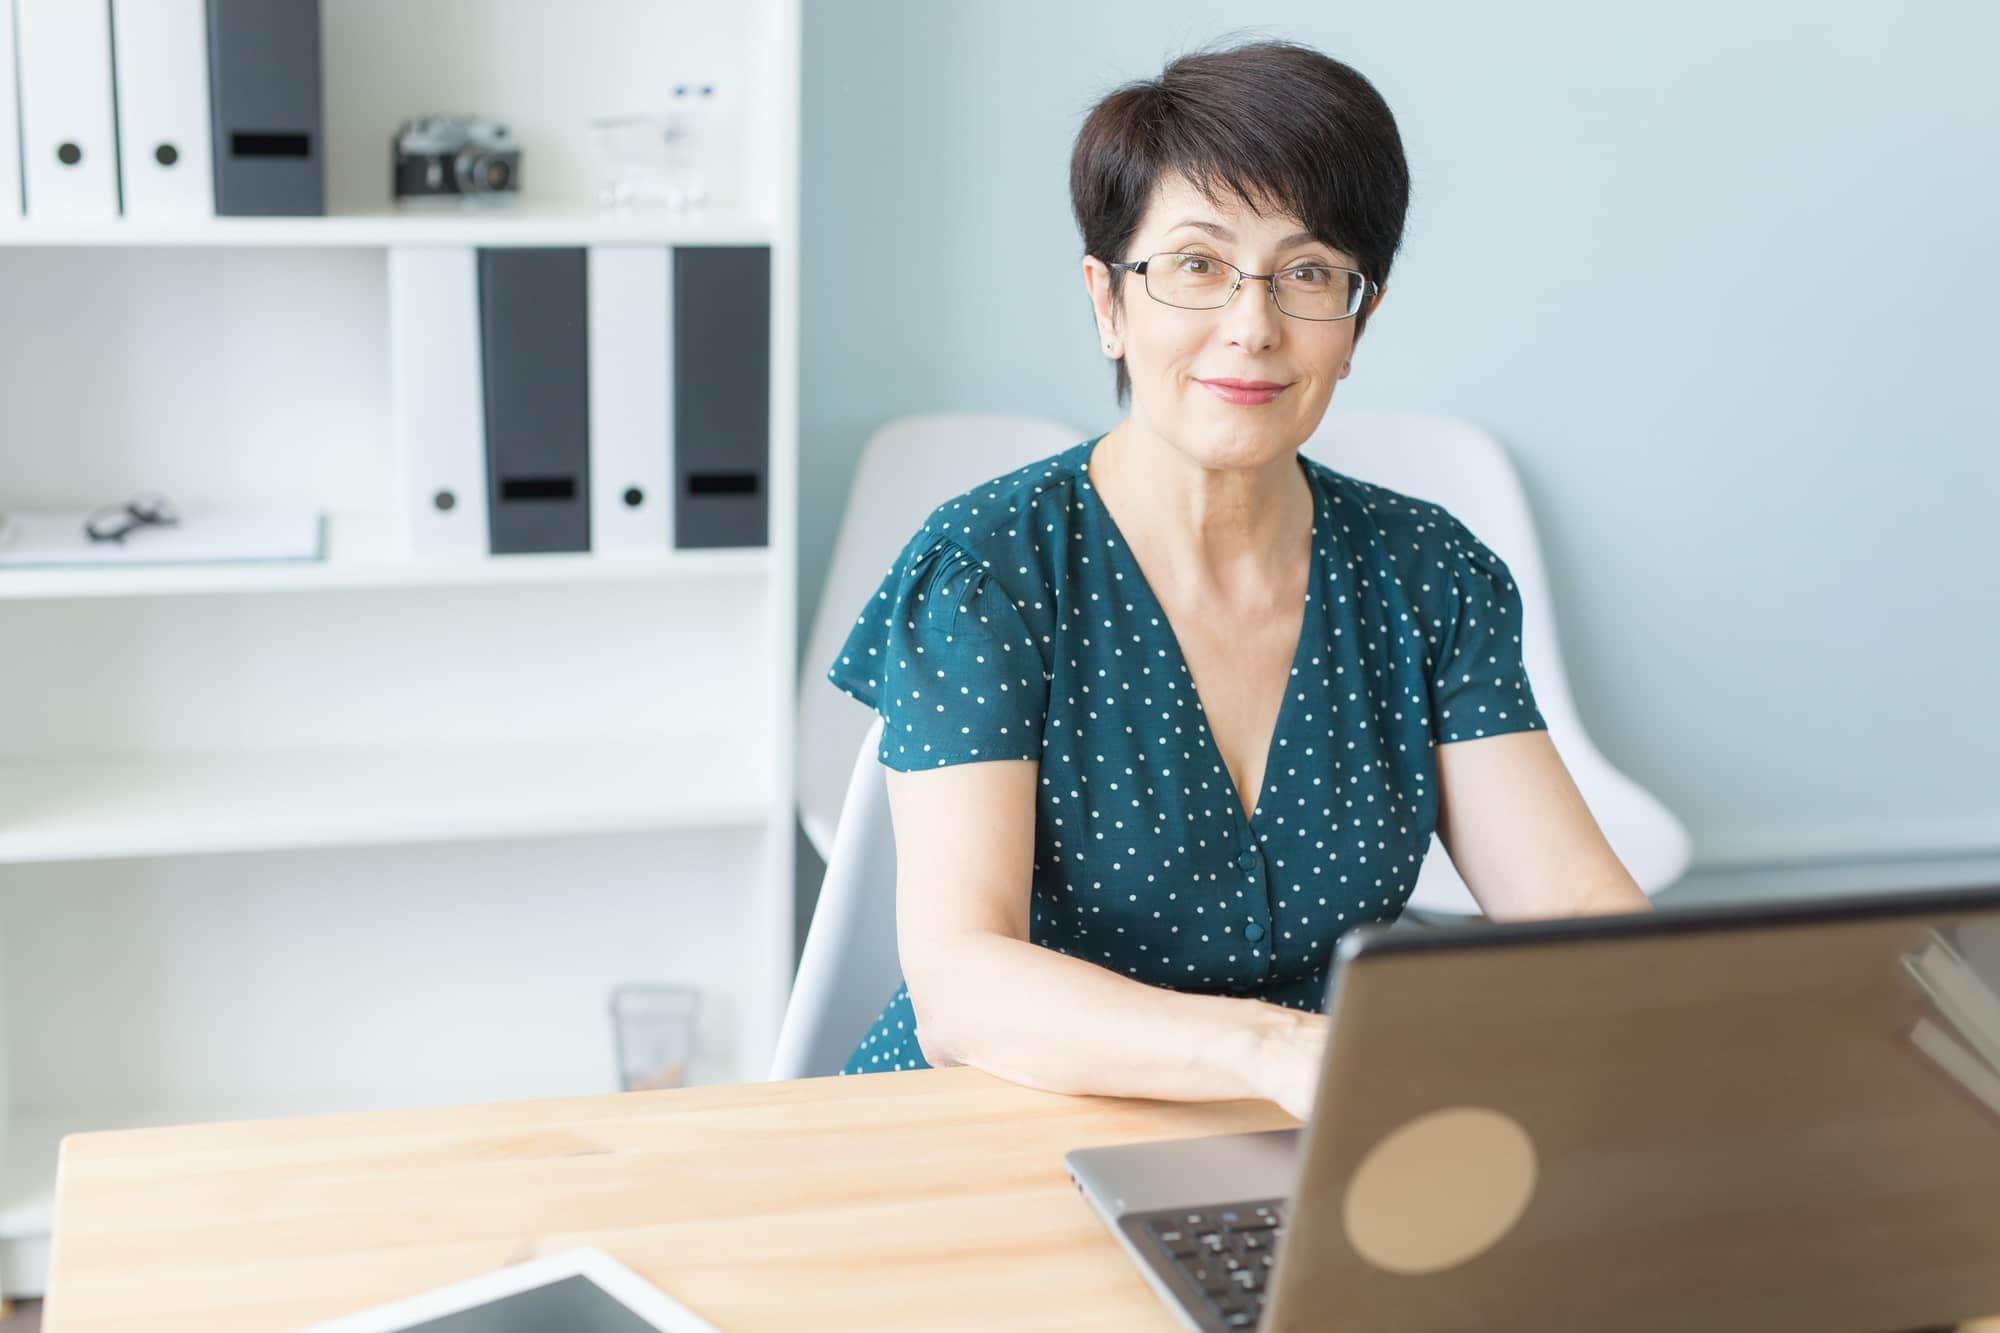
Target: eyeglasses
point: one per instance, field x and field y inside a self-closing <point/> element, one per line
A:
<point x="1203" y="282"/>
<point x="111" y="522"/>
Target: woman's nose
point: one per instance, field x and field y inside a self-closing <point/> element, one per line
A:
<point x="1251" y="315"/>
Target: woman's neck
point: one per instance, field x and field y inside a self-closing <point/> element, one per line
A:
<point x="1216" y="531"/>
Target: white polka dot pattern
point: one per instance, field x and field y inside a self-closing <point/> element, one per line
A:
<point x="1016" y="624"/>
<point x="965" y="679"/>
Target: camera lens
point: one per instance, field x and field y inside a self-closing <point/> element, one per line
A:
<point x="472" y="169"/>
<point x="497" y="175"/>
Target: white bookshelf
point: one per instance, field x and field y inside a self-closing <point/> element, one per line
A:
<point x="361" y="553"/>
<point x="179" y="805"/>
<point x="483" y="224"/>
<point x="374" y="831"/>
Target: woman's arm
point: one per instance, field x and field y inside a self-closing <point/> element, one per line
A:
<point x="1520" y="835"/>
<point x="1050" y="1021"/>
<point x="984" y="996"/>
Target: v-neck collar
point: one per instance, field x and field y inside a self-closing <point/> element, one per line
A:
<point x="1246" y="820"/>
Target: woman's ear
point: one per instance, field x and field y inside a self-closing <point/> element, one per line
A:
<point x="1097" y="281"/>
<point x="1361" y="323"/>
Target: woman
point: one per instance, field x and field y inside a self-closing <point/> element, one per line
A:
<point x="1171" y="710"/>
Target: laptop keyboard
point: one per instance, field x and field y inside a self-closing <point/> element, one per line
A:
<point x="1223" y="1253"/>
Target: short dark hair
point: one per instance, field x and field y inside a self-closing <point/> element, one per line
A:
<point x="1275" y="122"/>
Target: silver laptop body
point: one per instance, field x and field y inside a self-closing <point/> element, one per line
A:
<point x="1769" y="1118"/>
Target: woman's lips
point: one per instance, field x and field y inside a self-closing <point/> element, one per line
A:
<point x="1249" y="393"/>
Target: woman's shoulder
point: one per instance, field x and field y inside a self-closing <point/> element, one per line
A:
<point x="1443" y="567"/>
<point x="996" y="519"/>
<point x="968" y="579"/>
<point x="1405" y="524"/>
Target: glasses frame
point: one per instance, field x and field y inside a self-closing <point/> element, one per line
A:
<point x="1270" y="280"/>
<point x="150" y="510"/>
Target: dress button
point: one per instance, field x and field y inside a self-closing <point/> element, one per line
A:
<point x="1253" y="932"/>
<point x="1247" y="861"/>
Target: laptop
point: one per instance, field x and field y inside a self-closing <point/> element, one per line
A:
<point x="1772" y="1118"/>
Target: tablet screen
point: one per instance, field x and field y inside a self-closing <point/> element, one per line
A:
<point x="572" y="1305"/>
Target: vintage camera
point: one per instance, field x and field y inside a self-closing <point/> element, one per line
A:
<point x="447" y="155"/>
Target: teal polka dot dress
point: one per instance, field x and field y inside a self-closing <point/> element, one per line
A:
<point x="1016" y="624"/>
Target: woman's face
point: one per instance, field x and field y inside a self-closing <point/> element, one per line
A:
<point x="1169" y="352"/>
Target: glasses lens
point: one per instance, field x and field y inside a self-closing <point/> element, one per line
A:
<point x="109" y="524"/>
<point x="1202" y="282"/>
<point x="152" y="509"/>
<point x="1314" y="291"/>
<point x="1196" y="282"/>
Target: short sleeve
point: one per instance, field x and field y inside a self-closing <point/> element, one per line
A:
<point x="1480" y="687"/>
<point x="944" y="655"/>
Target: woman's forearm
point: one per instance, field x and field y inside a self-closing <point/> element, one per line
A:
<point x="1047" y="1020"/>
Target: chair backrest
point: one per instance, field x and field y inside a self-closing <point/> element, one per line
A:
<point x="910" y="466"/>
<point x="849" y="967"/>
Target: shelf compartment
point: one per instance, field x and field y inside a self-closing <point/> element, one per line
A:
<point x="361" y="553"/>
<point x="175" y="805"/>
<point x="525" y="225"/>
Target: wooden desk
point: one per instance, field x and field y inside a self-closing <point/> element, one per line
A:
<point x="911" y="1200"/>
<point x="895" y="1201"/>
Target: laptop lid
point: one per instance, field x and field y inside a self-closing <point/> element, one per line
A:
<point x="1774" y="1118"/>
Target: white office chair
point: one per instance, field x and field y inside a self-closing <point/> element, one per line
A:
<point x="849" y="966"/>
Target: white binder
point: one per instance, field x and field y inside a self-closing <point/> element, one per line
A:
<point x="438" y="395"/>
<point x="69" y="142"/>
<point x="631" y="398"/>
<point x="10" y="125"/>
<point x="161" y="58"/>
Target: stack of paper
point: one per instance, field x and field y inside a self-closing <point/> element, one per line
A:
<point x="1971" y="1009"/>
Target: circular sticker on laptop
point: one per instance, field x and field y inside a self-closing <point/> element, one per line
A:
<point x="1440" y="1190"/>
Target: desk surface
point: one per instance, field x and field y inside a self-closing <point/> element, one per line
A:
<point x="905" y="1200"/>
<point x="910" y="1200"/>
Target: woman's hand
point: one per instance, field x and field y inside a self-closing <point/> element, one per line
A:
<point x="1287" y="1060"/>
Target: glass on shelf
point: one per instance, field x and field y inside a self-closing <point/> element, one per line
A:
<point x="659" y="159"/>
<point x="653" y="1028"/>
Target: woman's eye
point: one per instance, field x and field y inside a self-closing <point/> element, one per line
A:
<point x="1313" y="275"/>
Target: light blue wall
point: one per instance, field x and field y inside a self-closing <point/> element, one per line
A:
<point x="1725" y="277"/>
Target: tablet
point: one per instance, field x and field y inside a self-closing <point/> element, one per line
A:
<point x="582" y="1290"/>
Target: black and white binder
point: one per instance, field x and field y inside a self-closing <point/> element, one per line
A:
<point x="160" y="50"/>
<point x="534" y="330"/>
<point x="722" y="395"/>
<point x="439" y="403"/>
<point x="631" y="399"/>
<point x="264" y="107"/>
<point x="10" y="123"/>
<point x="69" y="141"/>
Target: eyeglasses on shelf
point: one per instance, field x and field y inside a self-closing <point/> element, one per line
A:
<point x="112" y="523"/>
